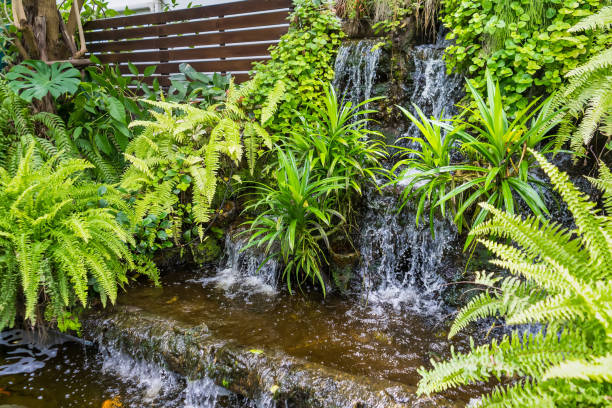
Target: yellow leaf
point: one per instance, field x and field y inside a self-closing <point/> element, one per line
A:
<point x="174" y="299"/>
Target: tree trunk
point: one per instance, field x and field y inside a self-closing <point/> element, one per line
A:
<point x="42" y="31"/>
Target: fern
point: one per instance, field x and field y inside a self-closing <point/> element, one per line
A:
<point x="57" y="236"/>
<point x="182" y="141"/>
<point x="562" y="281"/>
<point x="588" y="93"/>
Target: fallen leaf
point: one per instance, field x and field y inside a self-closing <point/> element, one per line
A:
<point x="4" y="392"/>
<point x="112" y="403"/>
<point x="174" y="299"/>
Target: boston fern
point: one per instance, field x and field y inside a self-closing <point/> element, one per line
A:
<point x="19" y="128"/>
<point x="58" y="237"/>
<point x="589" y="91"/>
<point x="560" y="282"/>
<point x="182" y="147"/>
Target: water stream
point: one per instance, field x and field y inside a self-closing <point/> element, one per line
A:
<point x="384" y="330"/>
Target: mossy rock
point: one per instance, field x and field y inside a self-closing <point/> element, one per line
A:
<point x="206" y="252"/>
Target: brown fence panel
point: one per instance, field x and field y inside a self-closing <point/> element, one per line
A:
<point x="224" y="38"/>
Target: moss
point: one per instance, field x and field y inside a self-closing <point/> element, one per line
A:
<point x="206" y="252"/>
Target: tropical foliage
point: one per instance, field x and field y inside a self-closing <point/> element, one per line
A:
<point x="181" y="149"/>
<point x="560" y="283"/>
<point x="303" y="60"/>
<point x="59" y="240"/>
<point x="337" y="142"/>
<point x="294" y="219"/>
<point x="496" y="169"/>
<point x="19" y="128"/>
<point x="525" y="45"/>
<point x="36" y="79"/>
<point x="588" y="92"/>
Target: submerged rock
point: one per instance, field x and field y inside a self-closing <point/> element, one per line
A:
<point x="194" y="352"/>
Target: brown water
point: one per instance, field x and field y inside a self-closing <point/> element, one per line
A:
<point x="345" y="334"/>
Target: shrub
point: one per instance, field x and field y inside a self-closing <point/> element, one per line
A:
<point x="561" y="282"/>
<point x="59" y="236"/>
<point x="524" y="44"/>
<point x="303" y="60"/>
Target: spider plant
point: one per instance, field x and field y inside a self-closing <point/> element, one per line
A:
<point x="294" y="216"/>
<point x="337" y="143"/>
<point x="497" y="167"/>
<point x="427" y="173"/>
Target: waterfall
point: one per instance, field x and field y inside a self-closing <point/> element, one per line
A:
<point x="402" y="264"/>
<point x="241" y="270"/>
<point x="355" y="70"/>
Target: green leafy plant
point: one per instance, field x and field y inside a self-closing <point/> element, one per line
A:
<point x="294" y="216"/>
<point x="193" y="86"/>
<point x="428" y="174"/>
<point x="497" y="167"/>
<point x="337" y="142"/>
<point x="588" y="93"/>
<point x="59" y="237"/>
<point x="98" y="116"/>
<point x="19" y="128"/>
<point x="177" y="156"/>
<point x="524" y="44"/>
<point x="35" y="79"/>
<point x="303" y="60"/>
<point x="561" y="280"/>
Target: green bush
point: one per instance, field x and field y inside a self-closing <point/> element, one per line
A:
<point x="176" y="158"/>
<point x="59" y="237"/>
<point x="496" y="168"/>
<point x="525" y="44"/>
<point x="296" y="216"/>
<point x="303" y="59"/>
<point x="561" y="281"/>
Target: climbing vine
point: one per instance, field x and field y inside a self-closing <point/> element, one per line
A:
<point x="525" y="44"/>
<point x="303" y="60"/>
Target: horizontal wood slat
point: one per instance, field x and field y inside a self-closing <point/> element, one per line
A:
<point x="164" y="80"/>
<point x="240" y="7"/>
<point x="260" y="34"/>
<point x="223" y="23"/>
<point x="230" y="51"/>
<point x="201" y="66"/>
<point x="220" y="38"/>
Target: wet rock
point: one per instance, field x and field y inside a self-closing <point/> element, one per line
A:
<point x="206" y="252"/>
<point x="195" y="352"/>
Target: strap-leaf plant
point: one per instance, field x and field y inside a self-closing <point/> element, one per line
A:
<point x="181" y="150"/>
<point x="560" y="283"/>
<point x="58" y="237"/>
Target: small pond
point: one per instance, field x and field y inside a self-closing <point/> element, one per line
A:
<point x="343" y="333"/>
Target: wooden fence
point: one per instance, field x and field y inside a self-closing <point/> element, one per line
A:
<point x="224" y="38"/>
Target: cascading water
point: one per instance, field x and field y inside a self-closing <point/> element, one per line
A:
<point x="242" y="271"/>
<point x="402" y="264"/>
<point x="355" y="70"/>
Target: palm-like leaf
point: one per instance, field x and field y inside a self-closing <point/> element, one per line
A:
<point x="36" y="79"/>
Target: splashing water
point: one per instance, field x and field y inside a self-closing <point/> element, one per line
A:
<point x="355" y="70"/>
<point x="402" y="263"/>
<point x="241" y="271"/>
